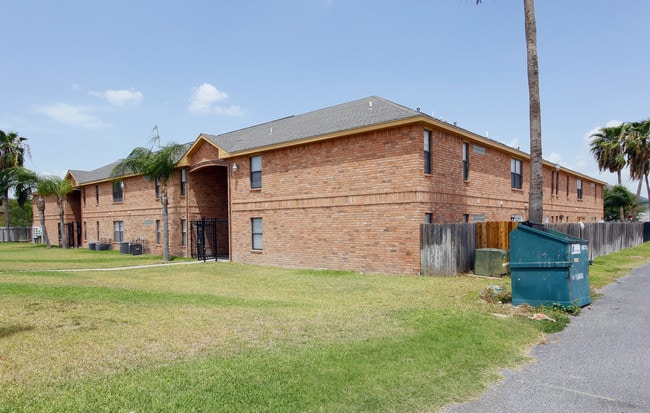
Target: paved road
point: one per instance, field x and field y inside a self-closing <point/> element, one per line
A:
<point x="599" y="363"/>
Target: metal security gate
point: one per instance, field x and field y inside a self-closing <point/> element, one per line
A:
<point x="73" y="234"/>
<point x="209" y="237"/>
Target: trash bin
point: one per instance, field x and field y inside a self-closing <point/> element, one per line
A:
<point x="92" y="246"/>
<point x="490" y="262"/>
<point x="548" y="267"/>
<point x="124" y="247"/>
<point x="136" y="249"/>
<point x="103" y="246"/>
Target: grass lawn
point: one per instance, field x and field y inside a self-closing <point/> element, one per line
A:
<point x="231" y="337"/>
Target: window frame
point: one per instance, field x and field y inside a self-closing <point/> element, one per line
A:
<point x="118" y="231"/>
<point x="465" y="161"/>
<point x="257" y="234"/>
<point x="118" y="192"/>
<point x="255" y="173"/>
<point x="516" y="176"/>
<point x="579" y="188"/>
<point x="183" y="184"/>
<point x="427" y="143"/>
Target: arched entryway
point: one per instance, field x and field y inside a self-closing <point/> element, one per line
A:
<point x="208" y="210"/>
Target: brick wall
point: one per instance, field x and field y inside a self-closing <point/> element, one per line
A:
<point x="357" y="202"/>
<point x="354" y="202"/>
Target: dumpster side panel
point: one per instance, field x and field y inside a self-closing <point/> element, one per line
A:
<point x="539" y="286"/>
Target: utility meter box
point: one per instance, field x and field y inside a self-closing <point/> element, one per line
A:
<point x="548" y="267"/>
<point x="491" y="262"/>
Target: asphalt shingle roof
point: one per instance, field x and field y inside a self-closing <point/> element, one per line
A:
<point x="103" y="173"/>
<point x="347" y="116"/>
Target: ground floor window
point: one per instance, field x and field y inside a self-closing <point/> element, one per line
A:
<point x="183" y="232"/>
<point x="118" y="231"/>
<point x="256" y="226"/>
<point x="157" y="231"/>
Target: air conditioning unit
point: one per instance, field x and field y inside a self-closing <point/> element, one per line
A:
<point x="491" y="262"/>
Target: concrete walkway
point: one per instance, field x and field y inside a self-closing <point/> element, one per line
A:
<point x="599" y="363"/>
<point x="167" y="264"/>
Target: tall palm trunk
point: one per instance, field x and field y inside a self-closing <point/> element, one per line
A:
<point x="165" y="216"/>
<point x="40" y="205"/>
<point x="60" y="210"/>
<point x="6" y="205"/>
<point x="536" y="195"/>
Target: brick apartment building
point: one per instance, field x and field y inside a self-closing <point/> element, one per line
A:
<point x="345" y="187"/>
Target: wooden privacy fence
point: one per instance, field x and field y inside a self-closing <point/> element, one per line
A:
<point x="448" y="249"/>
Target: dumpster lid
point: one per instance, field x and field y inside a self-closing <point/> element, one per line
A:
<point x="557" y="235"/>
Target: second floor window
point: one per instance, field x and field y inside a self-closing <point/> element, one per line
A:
<point x="465" y="161"/>
<point x="256" y="171"/>
<point x="579" y="185"/>
<point x="183" y="181"/>
<point x="427" y="152"/>
<point x="118" y="192"/>
<point x="157" y="185"/>
<point x="515" y="174"/>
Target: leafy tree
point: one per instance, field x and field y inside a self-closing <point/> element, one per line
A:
<point x="158" y="165"/>
<point x="618" y="198"/>
<point x="59" y="188"/>
<point x="12" y="155"/>
<point x="21" y="215"/>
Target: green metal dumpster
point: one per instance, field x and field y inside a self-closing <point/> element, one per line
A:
<point x="548" y="267"/>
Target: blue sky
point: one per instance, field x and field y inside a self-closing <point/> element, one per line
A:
<point x="86" y="81"/>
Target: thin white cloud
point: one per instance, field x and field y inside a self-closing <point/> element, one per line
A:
<point x="587" y="137"/>
<point x="232" y="110"/>
<point x="120" y="98"/>
<point x="205" y="99"/>
<point x="554" y="157"/>
<point x="73" y="115"/>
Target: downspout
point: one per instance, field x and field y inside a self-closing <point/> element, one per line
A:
<point x="229" y="177"/>
<point x="188" y="225"/>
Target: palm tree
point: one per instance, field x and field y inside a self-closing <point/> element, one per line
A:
<point x="618" y="198"/>
<point x="12" y="154"/>
<point x="607" y="147"/>
<point x="58" y="188"/>
<point x="536" y="194"/>
<point x="535" y="197"/>
<point x="154" y="166"/>
<point x="637" y="149"/>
